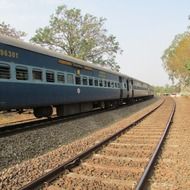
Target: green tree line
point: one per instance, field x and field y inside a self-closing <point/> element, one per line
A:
<point x="74" y="34"/>
<point x="167" y="89"/>
<point x="176" y="59"/>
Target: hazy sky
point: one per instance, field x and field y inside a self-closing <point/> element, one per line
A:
<point x="144" y="28"/>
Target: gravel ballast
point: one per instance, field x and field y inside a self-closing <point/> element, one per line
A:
<point x="94" y="173"/>
<point x="172" y="170"/>
<point x="16" y="176"/>
<point x="30" y="144"/>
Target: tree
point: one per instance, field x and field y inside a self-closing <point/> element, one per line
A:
<point x="7" y="30"/>
<point x="176" y="59"/>
<point x="83" y="37"/>
<point x="167" y="89"/>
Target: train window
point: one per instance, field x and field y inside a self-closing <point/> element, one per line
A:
<point x="105" y="83"/>
<point x="50" y="77"/>
<point x="77" y="80"/>
<point x="100" y="83"/>
<point x="90" y="81"/>
<point x="109" y="84"/>
<point x="4" y="71"/>
<point x="125" y="85"/>
<point x="61" y="77"/>
<point x="37" y="75"/>
<point x="112" y="84"/>
<point x="84" y="81"/>
<point x="96" y="82"/>
<point x="115" y="84"/>
<point x="70" y="79"/>
<point x="21" y="73"/>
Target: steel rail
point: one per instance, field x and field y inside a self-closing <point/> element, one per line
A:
<point x="143" y="179"/>
<point x="53" y="174"/>
<point x="30" y="125"/>
<point x="19" y="127"/>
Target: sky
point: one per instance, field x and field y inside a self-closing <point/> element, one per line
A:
<point x="144" y="28"/>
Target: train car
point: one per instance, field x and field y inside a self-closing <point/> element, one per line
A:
<point x="40" y="79"/>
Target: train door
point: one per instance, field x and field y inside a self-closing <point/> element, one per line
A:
<point x="128" y="88"/>
<point x="121" y="87"/>
<point x="132" y="87"/>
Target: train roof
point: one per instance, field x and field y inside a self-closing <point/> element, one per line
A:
<point x="35" y="48"/>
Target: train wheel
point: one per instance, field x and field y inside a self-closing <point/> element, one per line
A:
<point x="60" y="111"/>
<point x="43" y="111"/>
<point x="115" y="103"/>
<point x="108" y="104"/>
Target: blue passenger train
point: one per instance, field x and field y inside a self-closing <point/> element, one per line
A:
<point x="40" y="79"/>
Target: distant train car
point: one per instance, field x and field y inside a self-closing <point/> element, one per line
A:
<point x="40" y="79"/>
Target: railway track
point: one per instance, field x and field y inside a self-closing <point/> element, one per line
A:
<point x="122" y="161"/>
<point x="172" y="168"/>
<point x="25" y="125"/>
<point x="19" y="127"/>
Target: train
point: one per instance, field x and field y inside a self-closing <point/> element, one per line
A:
<point x="32" y="77"/>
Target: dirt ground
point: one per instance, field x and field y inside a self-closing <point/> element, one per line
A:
<point x="6" y="118"/>
<point x="172" y="170"/>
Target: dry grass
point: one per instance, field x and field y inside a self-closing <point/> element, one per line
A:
<point x="6" y="118"/>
